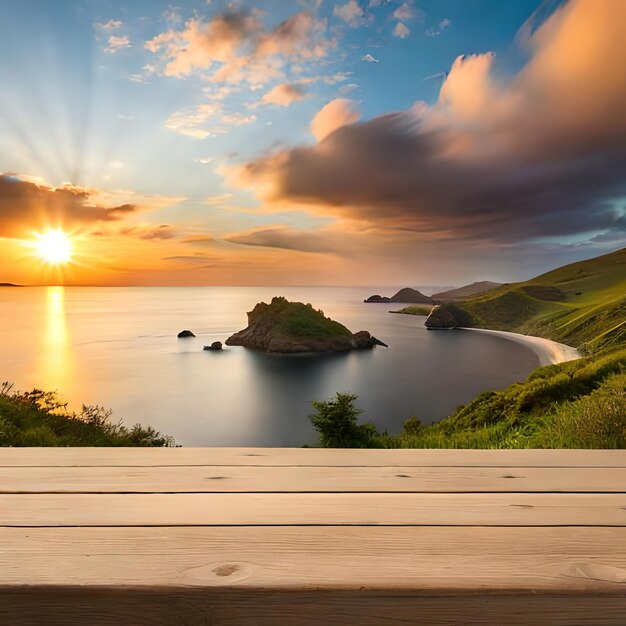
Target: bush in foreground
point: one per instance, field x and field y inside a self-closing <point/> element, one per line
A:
<point x="336" y="423"/>
<point x="39" y="418"/>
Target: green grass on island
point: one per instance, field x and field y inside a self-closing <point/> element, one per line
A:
<point x="296" y="319"/>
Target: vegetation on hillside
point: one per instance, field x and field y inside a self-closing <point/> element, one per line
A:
<point x="415" y="309"/>
<point x="582" y="305"/>
<point x="297" y="319"/>
<point x="578" y="404"/>
<point x="39" y="418"/>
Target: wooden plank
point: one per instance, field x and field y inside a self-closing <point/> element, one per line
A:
<point x="225" y="479"/>
<point x="217" y="607"/>
<point x="185" y="509"/>
<point x="446" y="560"/>
<point x="130" y="457"/>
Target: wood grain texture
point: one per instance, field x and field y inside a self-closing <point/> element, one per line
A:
<point x="234" y="479"/>
<point x="137" y="457"/>
<point x="111" y="607"/>
<point x="299" y="537"/>
<point x="446" y="560"/>
<point x="219" y="509"/>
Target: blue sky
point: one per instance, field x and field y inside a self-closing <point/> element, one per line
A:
<point x="106" y="96"/>
<point x="77" y="97"/>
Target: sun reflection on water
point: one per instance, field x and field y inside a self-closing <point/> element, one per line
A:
<point x="56" y="358"/>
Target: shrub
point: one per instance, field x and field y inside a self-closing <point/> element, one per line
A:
<point x="336" y="423"/>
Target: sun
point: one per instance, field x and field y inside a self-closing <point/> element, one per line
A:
<point x="53" y="247"/>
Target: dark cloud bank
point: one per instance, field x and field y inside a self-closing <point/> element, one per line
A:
<point x="541" y="154"/>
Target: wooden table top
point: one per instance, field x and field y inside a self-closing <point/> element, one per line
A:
<point x="270" y="536"/>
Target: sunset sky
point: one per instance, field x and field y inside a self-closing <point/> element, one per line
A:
<point x="310" y="142"/>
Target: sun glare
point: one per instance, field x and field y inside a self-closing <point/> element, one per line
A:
<point x="54" y="247"/>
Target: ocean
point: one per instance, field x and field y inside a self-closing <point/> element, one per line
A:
<point x="117" y="347"/>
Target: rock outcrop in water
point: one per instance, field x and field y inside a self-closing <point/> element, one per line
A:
<point x="291" y="327"/>
<point x="216" y="346"/>
<point x="185" y="333"/>
<point x="377" y="298"/>
<point x="406" y="296"/>
<point x="441" y="318"/>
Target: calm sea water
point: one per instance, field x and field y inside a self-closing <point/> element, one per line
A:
<point x="117" y="347"/>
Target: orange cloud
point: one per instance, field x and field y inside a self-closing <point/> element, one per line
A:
<point x="284" y="95"/>
<point x="332" y="116"/>
<point x="26" y="206"/>
<point x="539" y="154"/>
<point x="235" y="46"/>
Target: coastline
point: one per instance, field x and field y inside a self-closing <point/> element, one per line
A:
<point x="549" y="352"/>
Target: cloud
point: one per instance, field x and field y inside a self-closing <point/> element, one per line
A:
<point x="31" y="205"/>
<point x="351" y="13"/>
<point x="401" y="31"/>
<point x="407" y="11"/>
<point x="235" y="46"/>
<point x="284" y="94"/>
<point x="192" y="259"/>
<point x="368" y="58"/>
<point x="194" y="122"/>
<point x="116" y="43"/>
<point x="344" y="90"/>
<point x="332" y="116"/>
<point x="111" y="25"/>
<point x="287" y="238"/>
<point x="200" y="240"/>
<point x="433" y="31"/>
<point x="148" y="232"/>
<point x="218" y="199"/>
<point x="138" y="78"/>
<point x="172" y="15"/>
<point x="238" y="119"/>
<point x="539" y="154"/>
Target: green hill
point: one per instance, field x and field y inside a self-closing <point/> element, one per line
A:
<point x="578" y="404"/>
<point x="582" y="305"/>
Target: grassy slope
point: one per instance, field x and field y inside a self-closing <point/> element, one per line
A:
<point x="576" y="404"/>
<point x="579" y="404"/>
<point x="582" y="304"/>
<point x="37" y="418"/>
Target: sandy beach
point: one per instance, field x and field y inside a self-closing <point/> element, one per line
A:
<point x="549" y="352"/>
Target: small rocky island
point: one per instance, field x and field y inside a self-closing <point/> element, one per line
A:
<point x="290" y="327"/>
<point x="406" y="295"/>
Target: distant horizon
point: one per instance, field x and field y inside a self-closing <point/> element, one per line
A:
<point x="309" y="142"/>
<point x="414" y="285"/>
